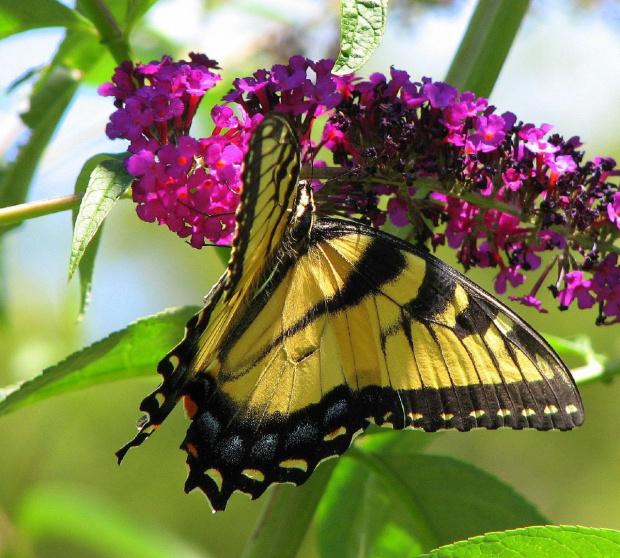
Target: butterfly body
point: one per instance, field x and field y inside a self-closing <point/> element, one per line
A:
<point x="320" y="327"/>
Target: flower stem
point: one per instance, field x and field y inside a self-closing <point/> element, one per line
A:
<point x="18" y="213"/>
<point x="111" y="33"/>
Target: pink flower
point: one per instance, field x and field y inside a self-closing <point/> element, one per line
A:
<point x="613" y="210"/>
<point x="397" y="210"/>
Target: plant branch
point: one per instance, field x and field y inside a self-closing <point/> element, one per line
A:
<point x="18" y="213"/>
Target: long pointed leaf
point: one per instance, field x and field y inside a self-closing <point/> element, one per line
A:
<point x="108" y="182"/>
<point x="128" y="353"/>
<point x="86" y="250"/>
<point x="486" y="44"/>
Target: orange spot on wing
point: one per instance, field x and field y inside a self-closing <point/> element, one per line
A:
<point x="190" y="406"/>
<point x="191" y="448"/>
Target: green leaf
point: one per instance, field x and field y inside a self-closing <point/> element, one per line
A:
<point x="86" y="262"/>
<point x="17" y="16"/>
<point x="422" y="501"/>
<point x="355" y="504"/>
<point x="285" y="517"/>
<point x="128" y="353"/>
<point x="108" y="182"/>
<point x="551" y="540"/>
<point x="486" y="44"/>
<point x="362" y="23"/>
<point x="73" y="514"/>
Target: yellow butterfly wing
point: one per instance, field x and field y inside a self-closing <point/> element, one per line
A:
<point x="362" y="328"/>
<point x="343" y="326"/>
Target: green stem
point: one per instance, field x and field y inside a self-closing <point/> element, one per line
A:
<point x="423" y="529"/>
<point x="111" y="33"/>
<point x="486" y="44"/>
<point x="18" y="213"/>
<point x="286" y="516"/>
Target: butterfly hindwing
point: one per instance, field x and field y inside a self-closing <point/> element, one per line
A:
<point x="322" y="327"/>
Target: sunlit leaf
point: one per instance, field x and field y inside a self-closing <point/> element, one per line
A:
<point x="86" y="260"/>
<point x="362" y="23"/>
<point x="550" y="540"/>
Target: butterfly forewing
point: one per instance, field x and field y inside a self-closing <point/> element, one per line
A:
<point x="270" y="178"/>
<point x="270" y="183"/>
<point x="319" y="329"/>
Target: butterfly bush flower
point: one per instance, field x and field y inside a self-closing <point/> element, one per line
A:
<point x="442" y="163"/>
<point x="191" y="185"/>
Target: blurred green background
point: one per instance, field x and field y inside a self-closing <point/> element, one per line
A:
<point x="57" y="457"/>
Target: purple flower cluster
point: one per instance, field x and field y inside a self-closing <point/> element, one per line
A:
<point x="497" y="191"/>
<point x="443" y="164"/>
<point x="603" y="288"/>
<point x="191" y="185"/>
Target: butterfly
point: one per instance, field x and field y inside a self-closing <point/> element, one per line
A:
<point x="319" y="327"/>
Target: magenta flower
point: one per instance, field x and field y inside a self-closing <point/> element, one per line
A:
<point x="141" y="163"/>
<point x="561" y="164"/>
<point x="576" y="288"/>
<point x="488" y="134"/>
<point x="510" y="275"/>
<point x="613" y="209"/>
<point x="178" y="158"/>
<point x="531" y="301"/>
<point x="513" y="179"/>
<point x="611" y="305"/>
<point x="397" y="210"/>
<point x="175" y="183"/>
<point x="291" y="76"/>
<point x="439" y="94"/>
<point x="607" y="272"/>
